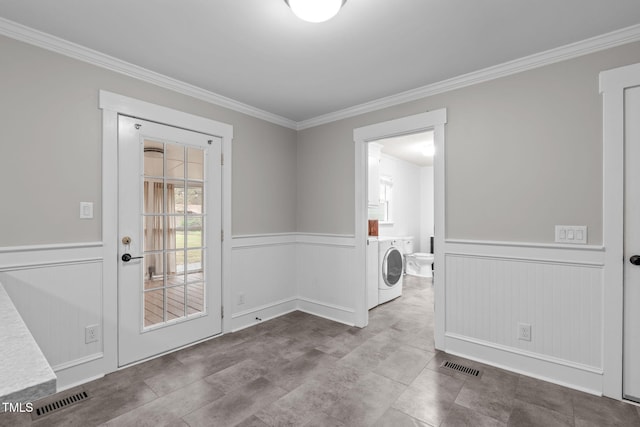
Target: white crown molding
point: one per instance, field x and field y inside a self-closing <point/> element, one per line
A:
<point x="55" y="44"/>
<point x="573" y="50"/>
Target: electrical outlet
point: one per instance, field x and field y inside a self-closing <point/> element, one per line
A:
<point x="240" y="299"/>
<point x="524" y="331"/>
<point x="91" y="333"/>
<point x="86" y="210"/>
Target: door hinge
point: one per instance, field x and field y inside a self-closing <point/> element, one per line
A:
<point x="222" y="311"/>
<point x="222" y="235"/>
<point x="221" y="159"/>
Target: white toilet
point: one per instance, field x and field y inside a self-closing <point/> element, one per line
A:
<point x="416" y="263"/>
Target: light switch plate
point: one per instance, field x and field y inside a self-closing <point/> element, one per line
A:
<point x="86" y="210"/>
<point x="575" y="234"/>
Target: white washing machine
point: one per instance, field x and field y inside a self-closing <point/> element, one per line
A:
<point x="391" y="269"/>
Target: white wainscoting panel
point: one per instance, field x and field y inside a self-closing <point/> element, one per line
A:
<point x="264" y="274"/>
<point x="326" y="276"/>
<point x="490" y="287"/>
<point x="58" y="292"/>
<point x="558" y="291"/>
<point x="486" y="298"/>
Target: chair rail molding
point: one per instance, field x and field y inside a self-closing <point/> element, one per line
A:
<point x="47" y="255"/>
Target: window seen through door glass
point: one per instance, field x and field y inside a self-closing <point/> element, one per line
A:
<point x="173" y="223"/>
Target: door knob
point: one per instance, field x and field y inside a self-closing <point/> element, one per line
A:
<point x="128" y="257"/>
<point x="635" y="259"/>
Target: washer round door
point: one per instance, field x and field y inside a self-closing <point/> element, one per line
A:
<point x="392" y="267"/>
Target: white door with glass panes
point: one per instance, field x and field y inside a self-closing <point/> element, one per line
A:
<point x="169" y="262"/>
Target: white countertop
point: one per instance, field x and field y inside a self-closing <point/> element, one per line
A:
<point x="395" y="237"/>
<point x="25" y="374"/>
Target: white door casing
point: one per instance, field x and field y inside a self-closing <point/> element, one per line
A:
<point x="631" y="290"/>
<point x="613" y="86"/>
<point x="433" y="120"/>
<point x="169" y="220"/>
<point x="112" y="105"/>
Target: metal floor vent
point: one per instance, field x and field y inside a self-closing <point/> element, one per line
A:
<point x="64" y="402"/>
<point x="461" y="368"/>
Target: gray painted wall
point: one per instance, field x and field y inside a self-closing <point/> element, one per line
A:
<point x="524" y="153"/>
<point x="50" y="150"/>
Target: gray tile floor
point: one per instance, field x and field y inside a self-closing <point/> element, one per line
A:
<point x="301" y="370"/>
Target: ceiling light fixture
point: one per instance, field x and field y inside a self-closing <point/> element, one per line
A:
<point x="315" y="10"/>
<point x="428" y="150"/>
<point x="153" y="152"/>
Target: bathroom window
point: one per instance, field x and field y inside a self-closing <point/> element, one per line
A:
<point x="386" y="187"/>
<point x="382" y="211"/>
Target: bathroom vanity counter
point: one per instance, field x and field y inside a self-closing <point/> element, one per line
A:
<point x="25" y="374"/>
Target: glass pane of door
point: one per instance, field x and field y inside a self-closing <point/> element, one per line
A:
<point x="173" y="221"/>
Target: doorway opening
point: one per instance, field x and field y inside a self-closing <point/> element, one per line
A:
<point x="412" y="128"/>
<point x="400" y="193"/>
<point x="400" y="215"/>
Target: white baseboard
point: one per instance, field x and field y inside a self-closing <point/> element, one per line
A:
<point x="335" y="313"/>
<point x="328" y="311"/>
<point x="265" y="312"/>
<point x="76" y="362"/>
<point x="572" y="375"/>
<point x="70" y="385"/>
<point x="80" y="373"/>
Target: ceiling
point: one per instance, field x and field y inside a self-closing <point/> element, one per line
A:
<point x="409" y="147"/>
<point x="258" y="53"/>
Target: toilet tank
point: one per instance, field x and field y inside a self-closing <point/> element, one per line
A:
<point x="407" y="245"/>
